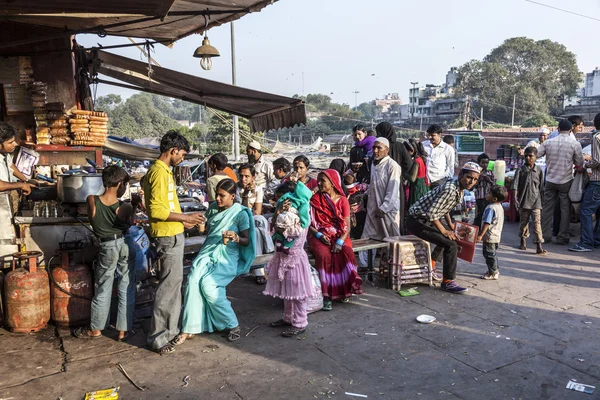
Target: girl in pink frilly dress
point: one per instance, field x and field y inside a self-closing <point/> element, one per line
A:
<point x="289" y="273"/>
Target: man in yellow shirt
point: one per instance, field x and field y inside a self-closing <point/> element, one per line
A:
<point x="166" y="228"/>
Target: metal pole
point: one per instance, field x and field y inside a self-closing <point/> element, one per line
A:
<point x="512" y="123"/>
<point x="482" y="119"/>
<point x="236" y="129"/>
<point x="421" y="126"/>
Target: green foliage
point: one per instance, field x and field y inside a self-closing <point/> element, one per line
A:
<point x="220" y="134"/>
<point x="369" y="111"/>
<point x="149" y="115"/>
<point x="338" y="118"/>
<point x="539" y="73"/>
<point x="539" y="120"/>
<point x="137" y="117"/>
<point x="108" y="103"/>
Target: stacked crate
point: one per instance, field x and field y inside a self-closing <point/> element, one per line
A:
<point x="408" y="261"/>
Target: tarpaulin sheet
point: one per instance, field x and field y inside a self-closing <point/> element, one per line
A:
<point x="265" y="111"/>
<point x="153" y="19"/>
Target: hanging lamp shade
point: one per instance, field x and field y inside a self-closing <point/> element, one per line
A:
<point x="206" y="50"/>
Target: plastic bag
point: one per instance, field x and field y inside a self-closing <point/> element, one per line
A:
<point x="138" y="244"/>
<point x="578" y="186"/>
<point x="315" y="302"/>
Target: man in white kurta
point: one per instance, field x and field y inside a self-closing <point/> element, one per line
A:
<point x="383" y="205"/>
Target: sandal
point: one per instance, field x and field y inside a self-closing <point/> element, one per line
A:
<point x="127" y="336"/>
<point x="345" y="300"/>
<point x="279" y="324"/>
<point x="166" y="349"/>
<point x="180" y="339"/>
<point x="234" y="334"/>
<point x="327" y="305"/>
<point x="541" y="253"/>
<point x="293" y="331"/>
<point x="85" y="333"/>
<point x="260" y="280"/>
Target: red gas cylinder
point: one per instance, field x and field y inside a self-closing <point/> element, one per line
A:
<point x="71" y="292"/>
<point x="27" y="295"/>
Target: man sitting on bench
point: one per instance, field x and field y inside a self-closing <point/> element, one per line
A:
<point x="425" y="220"/>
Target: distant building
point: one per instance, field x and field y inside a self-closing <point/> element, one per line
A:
<point x="404" y="112"/>
<point x="436" y="103"/>
<point x="592" y="84"/>
<point x="448" y="108"/>
<point x="587" y="101"/>
<point x="390" y="100"/>
<point x="451" y="77"/>
<point x="587" y="107"/>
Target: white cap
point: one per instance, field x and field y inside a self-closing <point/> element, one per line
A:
<point x="254" y="144"/>
<point x="545" y="131"/>
<point x="383" y="141"/>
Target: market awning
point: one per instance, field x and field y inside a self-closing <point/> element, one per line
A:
<point x="127" y="150"/>
<point x="155" y="19"/>
<point x="265" y="111"/>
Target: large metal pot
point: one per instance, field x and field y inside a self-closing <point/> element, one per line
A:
<point x="76" y="188"/>
<point x="42" y="193"/>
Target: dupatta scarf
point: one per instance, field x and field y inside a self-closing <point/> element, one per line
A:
<point x="213" y="245"/>
<point x="326" y="217"/>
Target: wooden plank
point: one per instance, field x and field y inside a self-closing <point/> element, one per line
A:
<point x="194" y="244"/>
<point x="46" y="221"/>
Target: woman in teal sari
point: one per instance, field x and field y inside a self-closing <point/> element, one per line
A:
<point x="228" y="251"/>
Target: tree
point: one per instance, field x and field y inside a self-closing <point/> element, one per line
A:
<point x="539" y="120"/>
<point x="369" y="111"/>
<point x="220" y="134"/>
<point x="137" y="117"/>
<point x="108" y="103"/>
<point x="537" y="73"/>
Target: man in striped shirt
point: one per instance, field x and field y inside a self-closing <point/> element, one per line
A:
<point x="561" y="153"/>
<point x="590" y="235"/>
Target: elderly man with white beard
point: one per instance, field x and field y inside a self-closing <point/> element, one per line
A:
<point x="383" y="206"/>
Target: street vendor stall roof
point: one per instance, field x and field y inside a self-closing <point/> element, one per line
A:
<point x="265" y="111"/>
<point x="130" y="150"/>
<point x="156" y="19"/>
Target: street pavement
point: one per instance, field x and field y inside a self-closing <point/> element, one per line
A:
<point x="521" y="337"/>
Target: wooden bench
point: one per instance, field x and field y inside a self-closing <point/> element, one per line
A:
<point x="194" y="244"/>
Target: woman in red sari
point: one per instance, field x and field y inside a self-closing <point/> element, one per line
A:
<point x="330" y="242"/>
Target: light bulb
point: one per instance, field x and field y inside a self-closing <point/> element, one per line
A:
<point x="206" y="63"/>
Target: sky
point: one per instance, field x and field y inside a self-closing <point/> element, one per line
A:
<point x="374" y="47"/>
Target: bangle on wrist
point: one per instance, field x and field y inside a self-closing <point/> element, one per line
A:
<point x="339" y="242"/>
<point x="318" y="235"/>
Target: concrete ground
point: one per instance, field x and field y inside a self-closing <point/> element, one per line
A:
<point x="522" y="337"/>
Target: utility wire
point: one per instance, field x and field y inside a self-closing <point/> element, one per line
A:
<point x="563" y="10"/>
